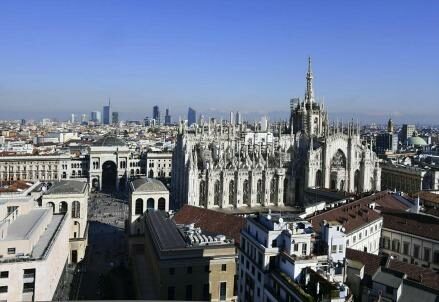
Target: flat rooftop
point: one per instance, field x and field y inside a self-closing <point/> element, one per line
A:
<point x="46" y="238"/>
<point x="67" y="186"/>
<point x="21" y="227"/>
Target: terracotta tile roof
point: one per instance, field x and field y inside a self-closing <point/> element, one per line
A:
<point x="371" y="262"/>
<point x="390" y="201"/>
<point x="428" y="196"/>
<point x="432" y="211"/>
<point x="411" y="223"/>
<point x="355" y="214"/>
<point x="211" y="221"/>
<point x="424" y="276"/>
<point x="14" y="186"/>
<point x="352" y="216"/>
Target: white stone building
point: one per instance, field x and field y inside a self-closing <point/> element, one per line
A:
<point x="108" y="164"/>
<point x="35" y="167"/>
<point x="358" y="220"/>
<point x="412" y="238"/>
<point x="34" y="247"/>
<point x="278" y="261"/>
<point x="145" y="194"/>
<point x="70" y="197"/>
<point x="226" y="165"/>
<point x="109" y="159"/>
<point x="158" y="164"/>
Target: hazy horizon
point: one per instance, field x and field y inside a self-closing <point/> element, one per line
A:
<point x="371" y="60"/>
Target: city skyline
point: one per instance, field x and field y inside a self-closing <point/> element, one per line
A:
<point x="219" y="150"/>
<point x="251" y="54"/>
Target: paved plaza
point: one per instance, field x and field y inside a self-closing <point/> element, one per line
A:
<point x="104" y="273"/>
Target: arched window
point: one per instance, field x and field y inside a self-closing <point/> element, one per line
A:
<point x="246" y="192"/>
<point x="318" y="182"/>
<point x="139" y="206"/>
<point x="151" y="174"/>
<point x="273" y="190"/>
<point x="232" y="192"/>
<point x="64" y="175"/>
<point x="203" y="195"/>
<point x="217" y="193"/>
<point x="338" y="160"/>
<point x="161" y="204"/>
<point x="63" y="207"/>
<point x="150" y="204"/>
<point x="259" y="192"/>
<point x="137" y="171"/>
<point x="77" y="229"/>
<point x="51" y="204"/>
<point x="76" y="209"/>
<point x="73" y="173"/>
<point x="79" y="173"/>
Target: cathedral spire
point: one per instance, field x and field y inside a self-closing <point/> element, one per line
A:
<point x="309" y="94"/>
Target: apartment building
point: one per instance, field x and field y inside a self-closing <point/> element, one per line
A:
<point x="34" y="247"/>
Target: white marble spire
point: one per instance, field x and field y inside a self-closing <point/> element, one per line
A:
<point x="309" y="93"/>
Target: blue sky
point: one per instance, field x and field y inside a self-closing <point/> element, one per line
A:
<point x="371" y="59"/>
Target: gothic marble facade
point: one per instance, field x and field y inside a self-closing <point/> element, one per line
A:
<point x="224" y="165"/>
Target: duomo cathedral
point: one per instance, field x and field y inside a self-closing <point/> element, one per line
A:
<point x="218" y="165"/>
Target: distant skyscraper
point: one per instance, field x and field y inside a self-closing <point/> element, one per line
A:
<point x="73" y="118"/>
<point x="107" y="114"/>
<point x="232" y="118"/>
<point x="264" y="124"/>
<point x="238" y="120"/>
<point x="385" y="142"/>
<point x="191" y="116"/>
<point x="156" y="114"/>
<point x="201" y="120"/>
<point x="406" y="132"/>
<point x="167" y="118"/>
<point x="390" y="127"/>
<point x="95" y="116"/>
<point x="84" y="118"/>
<point x="115" y="117"/>
<point x="23" y="122"/>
